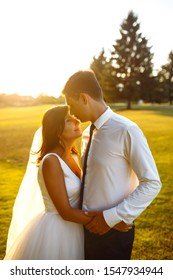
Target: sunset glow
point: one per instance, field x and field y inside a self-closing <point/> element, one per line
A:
<point x="43" y="42"/>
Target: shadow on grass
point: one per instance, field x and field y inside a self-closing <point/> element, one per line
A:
<point x="164" y="110"/>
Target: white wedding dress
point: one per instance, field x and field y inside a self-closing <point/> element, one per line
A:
<point x="48" y="236"/>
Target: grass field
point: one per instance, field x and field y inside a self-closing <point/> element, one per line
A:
<point x="154" y="238"/>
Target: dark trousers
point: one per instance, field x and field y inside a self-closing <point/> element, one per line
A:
<point x="114" y="245"/>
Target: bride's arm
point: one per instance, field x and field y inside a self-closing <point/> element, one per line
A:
<point x="55" y="184"/>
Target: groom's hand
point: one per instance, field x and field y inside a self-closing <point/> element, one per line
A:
<point x="122" y="226"/>
<point x="97" y="224"/>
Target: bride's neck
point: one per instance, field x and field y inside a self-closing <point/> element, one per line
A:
<point x="64" y="153"/>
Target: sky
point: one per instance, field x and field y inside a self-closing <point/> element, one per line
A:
<point x="43" y="42"/>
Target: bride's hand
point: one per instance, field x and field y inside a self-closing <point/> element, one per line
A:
<point x="97" y="224"/>
<point x="90" y="215"/>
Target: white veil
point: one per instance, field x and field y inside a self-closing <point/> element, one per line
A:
<point x="29" y="200"/>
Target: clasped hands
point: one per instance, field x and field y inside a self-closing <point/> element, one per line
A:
<point x="99" y="226"/>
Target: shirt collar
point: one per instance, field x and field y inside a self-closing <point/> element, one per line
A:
<point x="103" y="118"/>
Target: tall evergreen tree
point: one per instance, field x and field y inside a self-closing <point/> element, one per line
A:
<point x="166" y="79"/>
<point x="105" y="74"/>
<point x="98" y="65"/>
<point x="132" y="60"/>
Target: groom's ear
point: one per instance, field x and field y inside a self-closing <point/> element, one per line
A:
<point x="84" y="97"/>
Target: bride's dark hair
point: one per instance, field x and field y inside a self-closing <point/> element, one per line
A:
<point x="53" y="124"/>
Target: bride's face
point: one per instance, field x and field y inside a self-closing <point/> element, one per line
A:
<point x="72" y="128"/>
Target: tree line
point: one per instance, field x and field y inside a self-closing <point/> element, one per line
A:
<point x="19" y="100"/>
<point x="127" y="74"/>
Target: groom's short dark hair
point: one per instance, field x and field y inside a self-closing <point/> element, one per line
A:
<point x="83" y="82"/>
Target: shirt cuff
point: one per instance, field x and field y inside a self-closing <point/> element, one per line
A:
<point x="111" y="217"/>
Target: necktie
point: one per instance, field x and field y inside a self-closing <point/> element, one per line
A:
<point x="92" y="127"/>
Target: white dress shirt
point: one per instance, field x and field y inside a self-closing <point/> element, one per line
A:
<point x="121" y="177"/>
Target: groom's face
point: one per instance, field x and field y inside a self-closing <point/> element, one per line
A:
<point x="78" y="108"/>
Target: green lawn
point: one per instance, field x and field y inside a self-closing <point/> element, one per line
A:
<point x="154" y="239"/>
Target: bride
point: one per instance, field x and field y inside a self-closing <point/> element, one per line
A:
<point x="47" y="221"/>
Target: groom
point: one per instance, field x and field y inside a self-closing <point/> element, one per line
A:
<point x="120" y="175"/>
